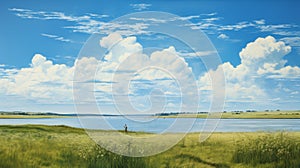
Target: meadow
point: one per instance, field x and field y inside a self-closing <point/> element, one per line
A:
<point x="60" y="146"/>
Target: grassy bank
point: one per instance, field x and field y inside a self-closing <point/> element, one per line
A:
<point x="245" y="115"/>
<point x="60" y="146"/>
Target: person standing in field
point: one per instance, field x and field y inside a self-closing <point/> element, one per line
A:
<point x="125" y="127"/>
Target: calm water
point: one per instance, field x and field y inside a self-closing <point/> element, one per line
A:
<point x="159" y="125"/>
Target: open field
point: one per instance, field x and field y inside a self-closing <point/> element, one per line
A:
<point x="246" y="115"/>
<point x="60" y="146"/>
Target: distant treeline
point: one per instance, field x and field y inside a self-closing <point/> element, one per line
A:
<point x="34" y="113"/>
<point x="234" y="112"/>
<point x="53" y="114"/>
<point x="177" y="113"/>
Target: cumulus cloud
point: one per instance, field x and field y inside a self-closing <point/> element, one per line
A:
<point x="263" y="58"/>
<point x="240" y="86"/>
<point x="42" y="81"/>
<point x="127" y="55"/>
<point x="45" y="82"/>
<point x="126" y="71"/>
<point x="134" y="73"/>
<point x="277" y="71"/>
<point x="110" y="40"/>
<point x="264" y="50"/>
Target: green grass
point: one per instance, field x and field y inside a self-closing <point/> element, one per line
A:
<point x="56" y="146"/>
<point x="263" y="115"/>
<point x="245" y="115"/>
<point x="61" y="146"/>
<point x="281" y="149"/>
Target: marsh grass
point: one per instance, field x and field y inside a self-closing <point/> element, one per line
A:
<point x="35" y="146"/>
<point x="57" y="146"/>
<point x="281" y="149"/>
<point x="95" y="156"/>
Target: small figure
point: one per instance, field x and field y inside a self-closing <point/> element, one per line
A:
<point x="125" y="127"/>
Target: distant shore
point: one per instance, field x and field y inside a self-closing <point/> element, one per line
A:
<point x="37" y="115"/>
<point x="30" y="116"/>
<point x="223" y="115"/>
<point x="240" y="115"/>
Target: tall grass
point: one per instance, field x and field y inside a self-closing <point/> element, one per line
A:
<point x="60" y="146"/>
<point x="280" y="149"/>
<point x="42" y="146"/>
<point x="95" y="156"/>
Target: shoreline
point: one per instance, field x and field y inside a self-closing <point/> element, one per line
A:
<point x="37" y="126"/>
<point x="242" y="115"/>
<point x="223" y="115"/>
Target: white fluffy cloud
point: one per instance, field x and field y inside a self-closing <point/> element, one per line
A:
<point x="264" y="50"/>
<point x="43" y="81"/>
<point x="127" y="70"/>
<point x="110" y="40"/>
<point x="127" y="55"/>
<point x="263" y="58"/>
<point x="155" y="75"/>
<point x="127" y="65"/>
<point x="275" y="70"/>
<point x="239" y="85"/>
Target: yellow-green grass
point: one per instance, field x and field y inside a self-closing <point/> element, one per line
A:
<point x="221" y="150"/>
<point x="61" y="146"/>
<point x="245" y="115"/>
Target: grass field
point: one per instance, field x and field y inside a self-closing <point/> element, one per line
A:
<point x="60" y="146"/>
<point x="246" y="115"/>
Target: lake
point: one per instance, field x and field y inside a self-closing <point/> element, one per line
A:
<point x="158" y="125"/>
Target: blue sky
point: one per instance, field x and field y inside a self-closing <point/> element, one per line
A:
<point x="50" y="34"/>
